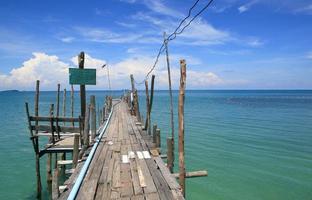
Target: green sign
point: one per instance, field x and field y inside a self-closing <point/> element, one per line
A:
<point x="82" y="76"/>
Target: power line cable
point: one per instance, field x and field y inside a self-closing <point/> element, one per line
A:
<point x="189" y="23"/>
<point x="173" y="35"/>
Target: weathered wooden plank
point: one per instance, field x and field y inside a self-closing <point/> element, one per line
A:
<point x="109" y="178"/>
<point x="63" y="129"/>
<point x="166" y="173"/>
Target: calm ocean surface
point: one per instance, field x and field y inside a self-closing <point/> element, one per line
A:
<point x="254" y="144"/>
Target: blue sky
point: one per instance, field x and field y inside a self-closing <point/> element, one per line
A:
<point x="234" y="44"/>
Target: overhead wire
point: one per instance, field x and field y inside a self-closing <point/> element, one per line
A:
<point x="173" y="35"/>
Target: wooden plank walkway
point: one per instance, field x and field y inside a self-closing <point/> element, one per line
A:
<point x="108" y="177"/>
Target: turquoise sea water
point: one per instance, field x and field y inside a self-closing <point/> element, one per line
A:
<point x="254" y="144"/>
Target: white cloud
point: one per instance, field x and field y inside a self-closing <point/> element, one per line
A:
<point x="254" y="42"/>
<point x="139" y="66"/>
<point x="129" y="1"/>
<point x="49" y="69"/>
<point x="159" y="7"/>
<point x="101" y="35"/>
<point x="126" y="25"/>
<point x="242" y="8"/>
<point x="246" y="6"/>
<point x="67" y="39"/>
<point x="304" y="9"/>
<point x="202" y="33"/>
<point x="309" y="55"/>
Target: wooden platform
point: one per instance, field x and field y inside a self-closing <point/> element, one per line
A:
<point x="110" y="176"/>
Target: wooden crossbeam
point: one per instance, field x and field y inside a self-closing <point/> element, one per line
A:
<point x="63" y="129"/>
<point x="48" y="118"/>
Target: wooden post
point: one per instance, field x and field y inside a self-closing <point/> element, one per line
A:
<point x="37" y="143"/>
<point x="152" y="95"/>
<point x="38" y="174"/>
<point x="132" y="92"/>
<point x="170" y="90"/>
<point x="151" y="103"/>
<point x="55" y="184"/>
<point x="37" y="102"/>
<point x="81" y="58"/>
<point x="147" y="126"/>
<point x="98" y="114"/>
<point x="86" y="128"/>
<point x="104" y="113"/>
<point x="136" y="105"/>
<point x="63" y="155"/>
<point x="52" y="139"/>
<point x="154" y="133"/>
<point x="181" y="125"/>
<point x="100" y="117"/>
<point x="111" y="103"/>
<point x="132" y="83"/>
<point x="170" y="154"/>
<point x="72" y="103"/>
<point x="56" y="120"/>
<point x="158" y="142"/>
<point x="75" y="150"/>
<point x="58" y="110"/>
<point x="64" y="104"/>
<point x="29" y="127"/>
<point x="49" y="155"/>
<point x="93" y="117"/>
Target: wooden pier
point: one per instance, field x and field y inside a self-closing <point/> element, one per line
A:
<point x="126" y="164"/>
<point x="113" y="152"/>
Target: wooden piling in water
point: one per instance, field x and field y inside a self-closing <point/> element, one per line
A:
<point x="75" y="150"/>
<point x="92" y="117"/>
<point x="49" y="155"/>
<point x="64" y="104"/>
<point x="63" y="155"/>
<point x="170" y="154"/>
<point x="154" y="133"/>
<point x="181" y="124"/>
<point x="37" y="143"/>
<point x="86" y="128"/>
<point x="56" y="120"/>
<point x="136" y="105"/>
<point x="170" y="89"/>
<point x="58" y="110"/>
<point x="72" y="103"/>
<point x="158" y="141"/>
<point x="55" y="184"/>
<point x="147" y="125"/>
<point x="151" y="101"/>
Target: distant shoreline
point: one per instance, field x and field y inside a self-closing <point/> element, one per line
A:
<point x="175" y="90"/>
<point x="10" y="91"/>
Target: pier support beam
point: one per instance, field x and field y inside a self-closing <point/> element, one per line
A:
<point x="36" y="142"/>
<point x="81" y="58"/>
<point x="154" y="133"/>
<point x="75" y="150"/>
<point x="92" y="117"/>
<point x="55" y="184"/>
<point x="181" y="125"/>
<point x="147" y="121"/>
<point x="158" y="142"/>
<point x="170" y="154"/>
